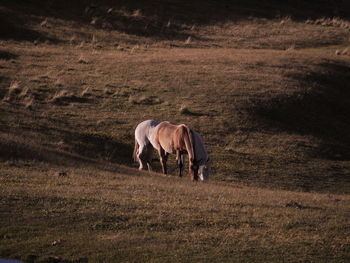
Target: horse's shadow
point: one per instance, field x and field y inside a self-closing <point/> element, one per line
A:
<point x="69" y="148"/>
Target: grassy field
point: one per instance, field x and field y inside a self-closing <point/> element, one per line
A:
<point x="265" y="84"/>
<point x="108" y="214"/>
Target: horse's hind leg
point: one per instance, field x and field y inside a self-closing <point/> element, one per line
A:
<point x="149" y="156"/>
<point x="163" y="156"/>
<point x="142" y="156"/>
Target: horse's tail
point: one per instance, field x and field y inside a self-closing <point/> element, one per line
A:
<point x="189" y="144"/>
<point x="136" y="148"/>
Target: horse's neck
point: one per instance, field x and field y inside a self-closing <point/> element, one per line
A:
<point x="191" y="138"/>
<point x="200" y="152"/>
<point x="187" y="138"/>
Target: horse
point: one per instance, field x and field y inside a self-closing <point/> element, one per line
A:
<point x="168" y="138"/>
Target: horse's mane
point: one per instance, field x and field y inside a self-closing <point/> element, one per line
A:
<point x="186" y="135"/>
<point x="200" y="151"/>
<point x="191" y="138"/>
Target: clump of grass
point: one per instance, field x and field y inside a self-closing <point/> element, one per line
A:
<point x="134" y="48"/>
<point x="19" y="95"/>
<point x="63" y="97"/>
<point x="184" y="110"/>
<point x="24" y="93"/>
<point x="286" y="20"/>
<point x="81" y="45"/>
<point x="94" y="21"/>
<point x="60" y="96"/>
<point x="27" y="98"/>
<point x="94" y="40"/>
<point x="62" y="145"/>
<point x="107" y="91"/>
<point x="83" y="60"/>
<point x="291" y="48"/>
<point x="86" y="92"/>
<point x="137" y="13"/>
<point x="345" y="51"/>
<point x="335" y="22"/>
<point x="28" y="102"/>
<point x="13" y="92"/>
<point x="45" y="23"/>
<point x="144" y="100"/>
<point x="120" y="48"/>
<point x="72" y="40"/>
<point x="59" y="82"/>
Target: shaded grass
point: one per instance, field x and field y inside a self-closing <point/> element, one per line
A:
<point x="238" y="24"/>
<point x="116" y="217"/>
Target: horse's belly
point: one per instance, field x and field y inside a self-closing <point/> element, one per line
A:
<point x="168" y="149"/>
<point x="167" y="146"/>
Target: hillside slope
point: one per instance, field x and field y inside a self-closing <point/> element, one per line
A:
<point x="266" y="84"/>
<point x="74" y="88"/>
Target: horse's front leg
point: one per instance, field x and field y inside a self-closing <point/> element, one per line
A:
<point x="179" y="158"/>
<point x="163" y="156"/>
<point x="193" y="170"/>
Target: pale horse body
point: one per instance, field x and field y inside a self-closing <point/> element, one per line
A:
<point x="147" y="138"/>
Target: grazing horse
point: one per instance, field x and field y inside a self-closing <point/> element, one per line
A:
<point x="167" y="138"/>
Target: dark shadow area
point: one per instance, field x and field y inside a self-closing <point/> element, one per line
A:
<point x="4" y="84"/>
<point x="186" y="111"/>
<point x="7" y="55"/>
<point x="66" y="100"/>
<point x="101" y="147"/>
<point x="34" y="259"/>
<point x="321" y="111"/>
<point x="165" y="19"/>
<point x="296" y="205"/>
<point x="13" y="25"/>
<point x="74" y="148"/>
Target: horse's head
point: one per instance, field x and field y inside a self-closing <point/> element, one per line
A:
<point x="204" y="170"/>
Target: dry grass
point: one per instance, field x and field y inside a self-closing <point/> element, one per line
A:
<point x="268" y="93"/>
<point x="13" y="91"/>
<point x="226" y="91"/>
<point x="140" y="217"/>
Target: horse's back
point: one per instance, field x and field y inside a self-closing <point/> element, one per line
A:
<point x="144" y="131"/>
<point x="166" y="129"/>
<point x="171" y="137"/>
